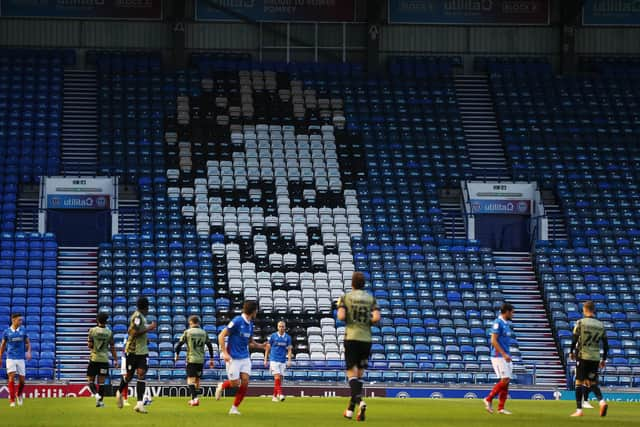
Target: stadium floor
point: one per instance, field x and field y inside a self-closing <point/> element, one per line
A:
<point x="305" y="412"/>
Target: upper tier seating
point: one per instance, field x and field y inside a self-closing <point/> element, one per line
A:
<point x="30" y="120"/>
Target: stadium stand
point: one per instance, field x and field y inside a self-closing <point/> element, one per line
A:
<point x="276" y="181"/>
<point x="576" y="136"/>
<point x="30" y="119"/>
<point x="264" y="196"/>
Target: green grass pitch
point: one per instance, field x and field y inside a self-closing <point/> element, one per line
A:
<point x="170" y="412"/>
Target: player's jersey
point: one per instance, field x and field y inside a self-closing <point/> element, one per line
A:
<point x="279" y="347"/>
<point x="359" y="305"/>
<point x="502" y="328"/>
<point x="589" y="332"/>
<point x="240" y="333"/>
<point x="101" y="338"/>
<point x="16" y="342"/>
<point x="195" y="339"/>
<point x="137" y="345"/>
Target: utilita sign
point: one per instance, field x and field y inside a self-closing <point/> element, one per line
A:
<point x="46" y="391"/>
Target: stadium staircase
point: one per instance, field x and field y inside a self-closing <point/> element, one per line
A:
<point x="484" y="143"/>
<point x="79" y="123"/>
<point x="76" y="310"/>
<point x="557" y="225"/>
<point x="531" y="325"/>
<point x="452" y="215"/>
<point x="128" y="211"/>
<point x="27" y="209"/>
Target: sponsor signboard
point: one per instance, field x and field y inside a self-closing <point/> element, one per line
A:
<point x="77" y="201"/>
<point x="469" y="12"/>
<point x="464" y="393"/>
<point x="276" y="10"/>
<point x="611" y="12"/>
<point x="96" y="9"/>
<point x="496" y="206"/>
<point x="611" y="396"/>
<point x="43" y="391"/>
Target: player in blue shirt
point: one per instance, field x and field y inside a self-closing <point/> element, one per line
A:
<point x="234" y="342"/>
<point x="501" y="336"/>
<point x="279" y="351"/>
<point x="16" y="342"/>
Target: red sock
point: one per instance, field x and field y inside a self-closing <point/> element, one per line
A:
<point x="277" y="390"/>
<point x="226" y="385"/>
<point x="20" y="389"/>
<point x="240" y="395"/>
<point x="125" y="393"/>
<point x="504" y="393"/>
<point x="12" y="391"/>
<point x="494" y="392"/>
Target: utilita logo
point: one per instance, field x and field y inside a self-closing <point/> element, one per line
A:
<point x="46" y="391"/>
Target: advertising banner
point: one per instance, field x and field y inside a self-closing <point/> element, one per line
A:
<point x="461" y="393"/>
<point x="611" y="12"/>
<point x="44" y="391"/>
<point x="610" y="396"/>
<point x="508" y="207"/>
<point x="77" y="201"/>
<point x="469" y="12"/>
<point x="276" y="10"/>
<point x="96" y="9"/>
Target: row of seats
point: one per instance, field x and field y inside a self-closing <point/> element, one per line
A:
<point x="28" y="286"/>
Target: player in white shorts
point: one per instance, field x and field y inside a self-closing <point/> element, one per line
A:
<point x="501" y="336"/>
<point x="234" y="342"/>
<point x="18" y="347"/>
<point x="279" y="351"/>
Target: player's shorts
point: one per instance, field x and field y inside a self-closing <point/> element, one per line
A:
<point x="194" y="370"/>
<point x="135" y="362"/>
<point x="502" y="368"/>
<point x="356" y="354"/>
<point x="279" y="368"/>
<point x="123" y="366"/>
<point x="17" y="366"/>
<point x="97" y="369"/>
<point x="587" y="370"/>
<point x="236" y="366"/>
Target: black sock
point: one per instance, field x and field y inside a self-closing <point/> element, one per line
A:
<point x="356" y="392"/>
<point x="579" y="395"/>
<point x="101" y="391"/>
<point x="194" y="393"/>
<point x="123" y="384"/>
<point x="585" y="393"/>
<point x="140" y="386"/>
<point x="596" y="390"/>
<point x="92" y="387"/>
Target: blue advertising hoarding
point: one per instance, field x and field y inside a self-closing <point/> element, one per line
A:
<point x="276" y="10"/>
<point x="462" y="393"/>
<point x="611" y="12"/>
<point x="98" y="9"/>
<point x="469" y="12"/>
<point x="77" y="201"/>
<point x="633" y="395"/>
